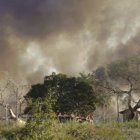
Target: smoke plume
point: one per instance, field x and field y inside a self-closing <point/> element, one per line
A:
<point x="38" y="37"/>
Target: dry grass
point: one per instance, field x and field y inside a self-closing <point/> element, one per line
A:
<point x="77" y="131"/>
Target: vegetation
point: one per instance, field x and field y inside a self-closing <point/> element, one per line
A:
<point x="79" y="95"/>
<point x="121" y="78"/>
<point x="126" y="71"/>
<point x="73" y="131"/>
<point x="71" y="94"/>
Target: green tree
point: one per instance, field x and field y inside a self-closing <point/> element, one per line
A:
<point x="72" y="94"/>
<point x="40" y="126"/>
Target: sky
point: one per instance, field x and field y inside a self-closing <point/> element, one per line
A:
<point x="38" y="37"/>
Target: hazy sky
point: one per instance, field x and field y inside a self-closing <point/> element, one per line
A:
<point x="67" y="36"/>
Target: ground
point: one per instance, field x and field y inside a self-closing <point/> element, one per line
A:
<point x="78" y="131"/>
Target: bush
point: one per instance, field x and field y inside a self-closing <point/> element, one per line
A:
<point x="51" y="129"/>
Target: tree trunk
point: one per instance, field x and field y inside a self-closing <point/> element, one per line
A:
<point x="132" y="110"/>
<point x="104" y="115"/>
<point x="17" y="105"/>
<point x="6" y="114"/>
<point x="132" y="114"/>
<point x="118" y="117"/>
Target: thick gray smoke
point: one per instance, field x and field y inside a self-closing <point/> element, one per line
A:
<point x="68" y="36"/>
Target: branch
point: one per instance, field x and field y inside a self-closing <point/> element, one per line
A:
<point x="137" y="106"/>
<point x="1" y="92"/>
<point x="131" y="84"/>
<point x="114" y="90"/>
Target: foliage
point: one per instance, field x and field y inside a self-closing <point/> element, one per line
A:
<point x="74" y="131"/>
<point x="40" y="105"/>
<point x="72" y="94"/>
<point x="42" y="117"/>
<point x="127" y="124"/>
<point x="38" y="129"/>
<point x="9" y="132"/>
<point x="126" y="71"/>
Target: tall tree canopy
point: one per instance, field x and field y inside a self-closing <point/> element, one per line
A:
<point x="71" y="94"/>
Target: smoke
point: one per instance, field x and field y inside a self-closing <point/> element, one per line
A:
<point x="68" y="36"/>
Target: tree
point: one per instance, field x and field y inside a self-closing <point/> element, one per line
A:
<point x="41" y="126"/>
<point x="126" y="71"/>
<point x="72" y="94"/>
<point x="100" y="79"/>
<point x="11" y="94"/>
